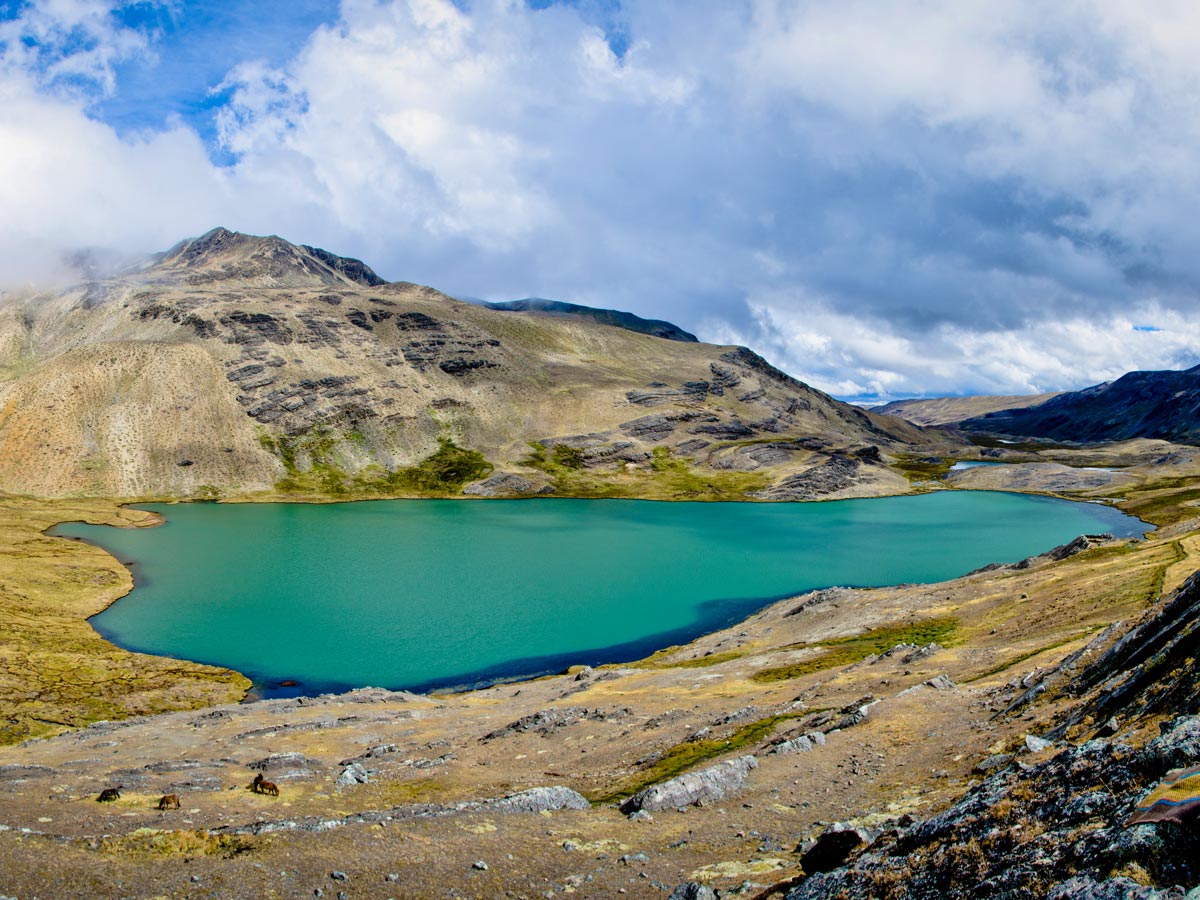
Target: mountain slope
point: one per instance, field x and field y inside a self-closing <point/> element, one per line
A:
<point x="1162" y="405"/>
<point x="235" y="364"/>
<point x="950" y="410"/>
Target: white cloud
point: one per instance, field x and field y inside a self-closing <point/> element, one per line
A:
<point x="890" y="197"/>
<point x="69" y="46"/>
<point x="848" y="355"/>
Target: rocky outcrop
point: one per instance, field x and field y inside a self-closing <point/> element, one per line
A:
<point x="1035" y="831"/>
<point x="835" y="474"/>
<point x="1067" y="550"/>
<point x="800" y="744"/>
<point x="539" y="799"/>
<point x="506" y="484"/>
<point x="1142" y="673"/>
<point x="547" y="721"/>
<point x="1060" y="826"/>
<point x="705" y="785"/>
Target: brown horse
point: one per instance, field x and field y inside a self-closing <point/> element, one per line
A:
<point x="108" y="795"/>
<point x="260" y="786"/>
<point x="168" y="801"/>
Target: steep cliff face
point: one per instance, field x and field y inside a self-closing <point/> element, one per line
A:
<point x="233" y="364"/>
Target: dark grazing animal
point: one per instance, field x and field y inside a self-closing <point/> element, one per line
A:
<point x="261" y="786"/>
<point x="108" y="795"/>
<point x="168" y="801"/>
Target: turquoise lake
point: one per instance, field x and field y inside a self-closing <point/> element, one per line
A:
<point x="421" y="594"/>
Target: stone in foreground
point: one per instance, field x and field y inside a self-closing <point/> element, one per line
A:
<point x="713" y="783"/>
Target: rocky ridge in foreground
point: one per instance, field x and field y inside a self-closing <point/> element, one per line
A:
<point x="1056" y="825"/>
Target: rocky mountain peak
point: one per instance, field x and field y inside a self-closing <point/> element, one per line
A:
<point x="221" y="255"/>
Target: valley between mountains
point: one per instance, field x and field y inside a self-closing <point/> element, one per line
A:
<point x="987" y="736"/>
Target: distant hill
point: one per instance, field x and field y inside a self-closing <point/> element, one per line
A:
<point x="1163" y="405"/>
<point x="234" y="364"/>
<point x="628" y="321"/>
<point x="951" y="410"/>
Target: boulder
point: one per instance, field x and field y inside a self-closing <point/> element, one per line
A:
<point x="353" y="774"/>
<point x="692" y="890"/>
<point x="1035" y="744"/>
<point x="800" y="744"/>
<point x="834" y="847"/>
<point x="712" y="783"/>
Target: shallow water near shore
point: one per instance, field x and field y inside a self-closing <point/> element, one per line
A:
<point x="421" y="594"/>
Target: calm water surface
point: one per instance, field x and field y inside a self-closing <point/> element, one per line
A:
<point x="433" y="593"/>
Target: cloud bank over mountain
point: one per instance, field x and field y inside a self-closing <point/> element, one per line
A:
<point x="884" y="198"/>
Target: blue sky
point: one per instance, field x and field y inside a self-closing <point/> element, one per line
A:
<point x="885" y="198"/>
<point x="194" y="47"/>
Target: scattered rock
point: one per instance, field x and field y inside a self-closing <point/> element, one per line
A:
<point x="480" y="865"/>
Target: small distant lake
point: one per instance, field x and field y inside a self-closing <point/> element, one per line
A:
<point x="976" y="463"/>
<point x="421" y="594"/>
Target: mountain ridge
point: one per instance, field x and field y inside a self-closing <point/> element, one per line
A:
<point x="617" y="318"/>
<point x="221" y="255"/>
<point x="1162" y="404"/>
<point x="238" y="365"/>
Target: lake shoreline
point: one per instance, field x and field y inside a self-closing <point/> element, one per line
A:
<point x="1138" y="458"/>
<point x="519" y="668"/>
<point x="603" y="733"/>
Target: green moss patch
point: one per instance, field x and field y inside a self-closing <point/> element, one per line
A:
<point x="443" y="472"/>
<point x="659" y="660"/>
<point x="923" y="468"/>
<point x="1162" y="502"/>
<point x="848" y="650"/>
<point x="665" y="477"/>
